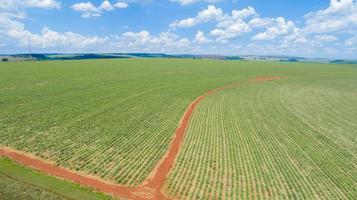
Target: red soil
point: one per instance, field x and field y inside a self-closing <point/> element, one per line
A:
<point x="266" y="78"/>
<point x="150" y="189"/>
<point x="40" y="165"/>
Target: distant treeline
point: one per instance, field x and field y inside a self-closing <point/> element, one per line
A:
<point x="67" y="56"/>
<point x="41" y="57"/>
<point x="344" y="61"/>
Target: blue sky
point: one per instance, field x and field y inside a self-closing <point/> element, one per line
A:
<point x="310" y="28"/>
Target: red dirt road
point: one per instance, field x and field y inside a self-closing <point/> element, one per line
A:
<point x="151" y="187"/>
<point x="40" y="165"/>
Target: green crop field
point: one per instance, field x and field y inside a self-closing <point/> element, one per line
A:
<point x="288" y="139"/>
<point x="110" y="118"/>
<point x="295" y="137"/>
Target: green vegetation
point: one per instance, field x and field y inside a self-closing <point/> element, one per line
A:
<point x="17" y="182"/>
<point x="288" y="138"/>
<point x="110" y="118"/>
<point x="11" y="189"/>
<point x="292" y="138"/>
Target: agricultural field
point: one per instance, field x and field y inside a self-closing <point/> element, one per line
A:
<point x="113" y="118"/>
<point x="291" y="136"/>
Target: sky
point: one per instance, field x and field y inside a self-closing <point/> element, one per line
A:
<point x="308" y="28"/>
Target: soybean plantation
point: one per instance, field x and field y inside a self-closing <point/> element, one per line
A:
<point x="113" y="119"/>
<point x="293" y="137"/>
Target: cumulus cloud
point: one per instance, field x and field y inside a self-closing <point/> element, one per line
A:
<point x="211" y="13"/>
<point x="120" y="4"/>
<point x="233" y="25"/>
<point x="201" y="38"/>
<point x="277" y="27"/>
<point x="51" y="39"/>
<point x="261" y="22"/>
<point x="227" y="25"/>
<point x="12" y="27"/>
<point x="18" y="4"/>
<point x="234" y="30"/>
<point x="106" y="5"/>
<point x="321" y="28"/>
<point x="89" y="10"/>
<point x="43" y="3"/>
<point x="341" y="15"/>
<point x="47" y="38"/>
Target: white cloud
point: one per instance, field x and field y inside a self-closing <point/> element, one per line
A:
<point x="233" y="25"/>
<point x="261" y="22"/>
<point x="201" y="38"/>
<point x="47" y="38"/>
<point x="211" y="13"/>
<point x="228" y="25"/>
<point x="120" y="4"/>
<point x="83" y="7"/>
<point x="144" y="41"/>
<point x="13" y="29"/>
<point x="187" y="2"/>
<point x="341" y="15"/>
<point x="18" y="4"/>
<point x="52" y="39"/>
<point x="234" y="30"/>
<point x="43" y="3"/>
<point x="106" y="5"/>
<point x="278" y="28"/>
<point x="89" y="10"/>
<point x="236" y="16"/>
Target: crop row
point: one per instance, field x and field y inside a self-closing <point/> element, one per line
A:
<point x="121" y="144"/>
<point x="246" y="143"/>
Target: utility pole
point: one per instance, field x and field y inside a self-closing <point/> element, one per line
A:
<point x="30" y="51"/>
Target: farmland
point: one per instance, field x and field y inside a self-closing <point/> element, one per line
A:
<point x="287" y="139"/>
<point x="292" y="137"/>
<point x="113" y="119"/>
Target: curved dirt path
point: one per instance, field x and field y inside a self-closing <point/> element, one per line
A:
<point x="150" y="189"/>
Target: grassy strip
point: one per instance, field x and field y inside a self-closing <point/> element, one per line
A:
<point x="12" y="189"/>
<point x="37" y="185"/>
